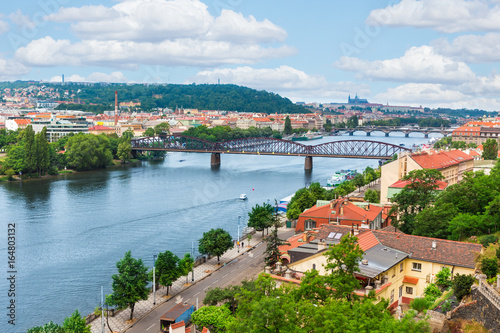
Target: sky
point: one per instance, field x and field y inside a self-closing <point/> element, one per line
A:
<point x="434" y="53"/>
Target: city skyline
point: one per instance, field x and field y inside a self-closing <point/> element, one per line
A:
<point x="408" y="52"/>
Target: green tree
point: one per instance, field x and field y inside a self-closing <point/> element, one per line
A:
<point x="288" y="126"/>
<point x="359" y="181"/>
<point x="162" y="128"/>
<point x="414" y="197"/>
<point x="128" y="134"/>
<point x="273" y="242"/>
<point x="87" y="152"/>
<point x="47" y="328"/>
<point x="489" y="266"/>
<point x="301" y="200"/>
<point x="443" y="278"/>
<point x="343" y="260"/>
<point x="186" y="265"/>
<point x="42" y="152"/>
<point x="29" y="149"/>
<point x="215" y="318"/>
<point x="149" y="132"/>
<point x="490" y="149"/>
<point x="166" y="269"/>
<point x="130" y="284"/>
<point x="76" y="324"/>
<point x="434" y="221"/>
<point x="215" y="242"/>
<point x="261" y="217"/>
<point x="124" y="149"/>
<point x="352" y="122"/>
<point x="15" y="158"/>
<point x="462" y="285"/>
<point x="372" y="196"/>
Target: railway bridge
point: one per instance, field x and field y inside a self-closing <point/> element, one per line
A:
<point x="268" y="146"/>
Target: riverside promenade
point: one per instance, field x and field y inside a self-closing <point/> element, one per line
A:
<point x="119" y="323"/>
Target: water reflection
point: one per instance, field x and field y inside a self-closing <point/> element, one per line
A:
<point x="33" y="192"/>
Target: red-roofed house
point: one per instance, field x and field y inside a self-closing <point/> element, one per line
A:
<point x="452" y="165"/>
<point x="400" y="184"/>
<point x="98" y="129"/>
<point x="341" y="212"/>
<point x="395" y="266"/>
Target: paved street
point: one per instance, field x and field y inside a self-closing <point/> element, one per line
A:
<point x="236" y="267"/>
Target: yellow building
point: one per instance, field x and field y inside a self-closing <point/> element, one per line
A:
<point x="396" y="266"/>
<point x="452" y="165"/>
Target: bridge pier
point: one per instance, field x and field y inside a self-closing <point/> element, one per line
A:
<point x="368" y="133"/>
<point x="351" y="133"/>
<point x="407" y="135"/>
<point x="215" y="159"/>
<point x="426" y="135"/>
<point x="387" y="134"/>
<point x="308" y="165"/>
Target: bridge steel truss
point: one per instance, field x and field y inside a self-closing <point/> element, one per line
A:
<point x="270" y="146"/>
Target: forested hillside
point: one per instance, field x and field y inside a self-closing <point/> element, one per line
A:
<point x="204" y="97"/>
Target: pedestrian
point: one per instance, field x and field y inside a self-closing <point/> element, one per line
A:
<point x="242" y="244"/>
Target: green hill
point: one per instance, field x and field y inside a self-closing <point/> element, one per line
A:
<point x="226" y="97"/>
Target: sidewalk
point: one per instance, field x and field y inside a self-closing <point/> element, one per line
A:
<point x="119" y="322"/>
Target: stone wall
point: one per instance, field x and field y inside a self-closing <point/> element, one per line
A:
<point x="480" y="310"/>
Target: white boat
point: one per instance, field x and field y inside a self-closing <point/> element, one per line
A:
<point x="243" y="196"/>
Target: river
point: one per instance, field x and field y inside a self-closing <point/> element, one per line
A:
<point x="71" y="230"/>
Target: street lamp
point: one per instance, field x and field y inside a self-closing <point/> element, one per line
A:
<point x="238" y="234"/>
<point x="154" y="279"/>
<point x="192" y="267"/>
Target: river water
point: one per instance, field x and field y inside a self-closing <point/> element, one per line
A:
<point x="71" y="230"/>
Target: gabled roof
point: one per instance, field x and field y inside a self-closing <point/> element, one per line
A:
<point x="440" y="160"/>
<point x="445" y="251"/>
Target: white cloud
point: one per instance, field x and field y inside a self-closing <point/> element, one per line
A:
<point x="158" y="20"/>
<point x="11" y="69"/>
<point x="437" y="95"/>
<point x="4" y="26"/>
<point x="418" y="64"/>
<point x="116" y="77"/>
<point x="235" y="27"/>
<point x="128" y="54"/>
<point x="471" y="48"/>
<point x="447" y="16"/>
<point x="22" y="21"/>
<point x="284" y="80"/>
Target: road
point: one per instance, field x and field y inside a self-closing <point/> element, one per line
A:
<point x="246" y="266"/>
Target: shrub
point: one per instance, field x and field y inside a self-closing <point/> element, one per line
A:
<point x="489" y="266"/>
<point x="443" y="278"/>
<point x="446" y="306"/>
<point x="9" y="173"/>
<point x="488" y="239"/>
<point x="432" y="292"/>
<point x="420" y="304"/>
<point x="462" y="285"/>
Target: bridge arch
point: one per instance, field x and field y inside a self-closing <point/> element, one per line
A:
<point x="270" y="146"/>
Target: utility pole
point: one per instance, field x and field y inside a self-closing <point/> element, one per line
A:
<point x="102" y="309"/>
<point x="238" y="234"/>
<point x="192" y="268"/>
<point x="154" y="279"/>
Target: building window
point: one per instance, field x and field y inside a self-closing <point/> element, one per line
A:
<point x="409" y="290"/>
<point x="392" y="296"/>
<point x="309" y="224"/>
<point x="314" y="266"/>
<point x="401" y="267"/>
<point x="416" y="267"/>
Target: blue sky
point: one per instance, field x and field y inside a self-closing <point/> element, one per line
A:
<point x="406" y="52"/>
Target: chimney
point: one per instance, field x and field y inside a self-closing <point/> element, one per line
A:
<point x="116" y="107"/>
<point x="433" y="245"/>
<point x="322" y="245"/>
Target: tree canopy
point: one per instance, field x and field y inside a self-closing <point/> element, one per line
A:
<point x="261" y="217"/>
<point x="130" y="284"/>
<point x="215" y="242"/>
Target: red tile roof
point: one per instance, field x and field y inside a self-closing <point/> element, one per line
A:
<point x="100" y="128"/>
<point x="402" y="183"/>
<point x="445" y="252"/>
<point x="440" y="160"/>
<point x="367" y="240"/>
<point x="177" y="325"/>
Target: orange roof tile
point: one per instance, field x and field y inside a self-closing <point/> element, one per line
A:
<point x="367" y="240"/>
<point x="402" y="183"/>
<point x="177" y="325"/>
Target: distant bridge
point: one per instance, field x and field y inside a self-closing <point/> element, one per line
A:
<point x="268" y="146"/>
<point x="445" y="131"/>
